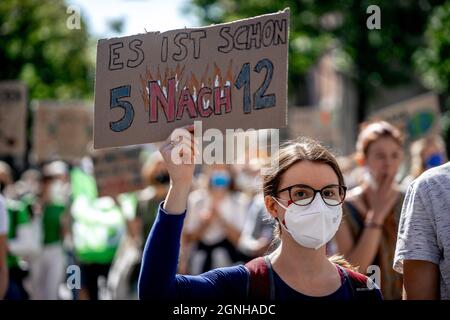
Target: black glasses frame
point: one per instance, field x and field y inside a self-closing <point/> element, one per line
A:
<point x="344" y="188"/>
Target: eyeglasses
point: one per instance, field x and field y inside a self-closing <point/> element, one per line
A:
<point x="303" y="195"/>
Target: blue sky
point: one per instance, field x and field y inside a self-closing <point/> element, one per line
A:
<point x="139" y="15"/>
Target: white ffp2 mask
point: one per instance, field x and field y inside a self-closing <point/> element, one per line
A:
<point x="313" y="225"/>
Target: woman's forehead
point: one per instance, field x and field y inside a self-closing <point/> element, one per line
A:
<point x="384" y="143"/>
<point x="314" y="174"/>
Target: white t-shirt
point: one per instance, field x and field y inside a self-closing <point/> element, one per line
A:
<point x="3" y="217"/>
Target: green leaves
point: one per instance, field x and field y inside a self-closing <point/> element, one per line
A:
<point x="433" y="60"/>
<point x="37" y="47"/>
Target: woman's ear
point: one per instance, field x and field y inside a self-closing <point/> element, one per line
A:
<point x="360" y="159"/>
<point x="271" y="206"/>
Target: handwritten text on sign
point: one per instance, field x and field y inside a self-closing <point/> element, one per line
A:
<point x="230" y="76"/>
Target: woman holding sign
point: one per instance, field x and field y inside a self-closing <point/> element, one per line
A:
<point x="303" y="193"/>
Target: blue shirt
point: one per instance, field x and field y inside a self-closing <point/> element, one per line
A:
<point x="158" y="279"/>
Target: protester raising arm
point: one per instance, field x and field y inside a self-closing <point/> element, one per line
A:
<point x="298" y="269"/>
<point x="158" y="278"/>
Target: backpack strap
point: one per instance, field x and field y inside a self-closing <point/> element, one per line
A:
<point x="359" y="285"/>
<point x="260" y="285"/>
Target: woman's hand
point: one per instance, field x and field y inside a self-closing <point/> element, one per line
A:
<point x="381" y="201"/>
<point x="179" y="152"/>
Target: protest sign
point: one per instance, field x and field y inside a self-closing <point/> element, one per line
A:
<point x="13" y="117"/>
<point x="117" y="171"/>
<point x="229" y="76"/>
<point x="416" y="117"/>
<point x="61" y="130"/>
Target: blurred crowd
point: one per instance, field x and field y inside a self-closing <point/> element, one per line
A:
<point x="55" y="219"/>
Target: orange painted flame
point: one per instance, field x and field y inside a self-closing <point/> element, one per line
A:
<point x="191" y="82"/>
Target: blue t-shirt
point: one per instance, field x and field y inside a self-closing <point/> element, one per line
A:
<point x="158" y="279"/>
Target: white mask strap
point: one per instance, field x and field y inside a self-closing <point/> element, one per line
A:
<point x="285" y="208"/>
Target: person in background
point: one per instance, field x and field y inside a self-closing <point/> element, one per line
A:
<point x="29" y="185"/>
<point x="98" y="225"/>
<point x="368" y="233"/>
<point x="257" y="232"/>
<point x="139" y="222"/>
<point x="156" y="177"/>
<point x="423" y="239"/>
<point x="21" y="238"/>
<point x="3" y="247"/>
<point x="48" y="268"/>
<point x="353" y="173"/>
<point x="214" y="222"/>
<point x="120" y="277"/>
<point x="426" y="153"/>
<point x="5" y="176"/>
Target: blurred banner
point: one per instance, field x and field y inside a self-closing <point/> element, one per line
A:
<point x="416" y="117"/>
<point x="61" y="130"/>
<point x="229" y="76"/>
<point x="117" y="170"/>
<point x="313" y="123"/>
<point x="13" y="117"/>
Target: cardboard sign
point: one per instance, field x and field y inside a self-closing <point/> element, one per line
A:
<point x="229" y="76"/>
<point x="416" y="117"/>
<point x="61" y="130"/>
<point x="117" y="171"/>
<point x="13" y="117"/>
<point x="313" y="123"/>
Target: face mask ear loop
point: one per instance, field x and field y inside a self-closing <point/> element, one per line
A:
<point x="275" y="199"/>
<point x="285" y="208"/>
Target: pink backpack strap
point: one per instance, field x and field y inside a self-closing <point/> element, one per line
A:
<point x="260" y="282"/>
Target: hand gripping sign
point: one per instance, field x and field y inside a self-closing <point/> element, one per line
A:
<point x="228" y="76"/>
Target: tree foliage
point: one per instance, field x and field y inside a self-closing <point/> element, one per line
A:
<point x="373" y="58"/>
<point x="36" y="46"/>
<point x="433" y="60"/>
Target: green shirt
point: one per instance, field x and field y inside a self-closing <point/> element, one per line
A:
<point x="97" y="229"/>
<point x="51" y="222"/>
<point x="18" y="215"/>
<point x="98" y="223"/>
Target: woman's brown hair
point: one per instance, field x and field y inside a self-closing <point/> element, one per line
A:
<point x="371" y="132"/>
<point x="292" y="152"/>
